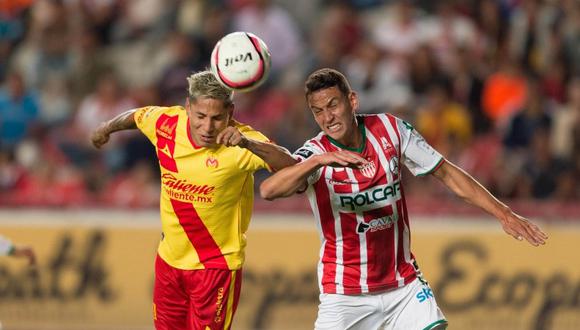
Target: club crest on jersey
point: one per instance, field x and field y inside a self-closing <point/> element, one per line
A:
<point x="212" y="162"/>
<point x="369" y="169"/>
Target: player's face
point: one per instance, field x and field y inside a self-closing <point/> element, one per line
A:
<point x="334" y="112"/>
<point x="207" y="118"/>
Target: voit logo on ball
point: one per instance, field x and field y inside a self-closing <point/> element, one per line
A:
<point x="240" y="61"/>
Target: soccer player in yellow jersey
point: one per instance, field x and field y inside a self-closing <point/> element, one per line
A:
<point x="207" y="161"/>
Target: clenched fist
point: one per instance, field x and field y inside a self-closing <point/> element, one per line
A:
<point x="100" y="136"/>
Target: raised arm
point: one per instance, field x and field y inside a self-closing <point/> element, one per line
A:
<point x="121" y="122"/>
<point x="466" y="187"/>
<point x="276" y="156"/>
<point x="294" y="178"/>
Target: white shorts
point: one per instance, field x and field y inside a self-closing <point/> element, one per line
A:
<point x="412" y="307"/>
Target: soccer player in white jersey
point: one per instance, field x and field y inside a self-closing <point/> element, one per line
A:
<point x="351" y="173"/>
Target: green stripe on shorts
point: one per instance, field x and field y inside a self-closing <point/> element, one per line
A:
<point x="434" y="324"/>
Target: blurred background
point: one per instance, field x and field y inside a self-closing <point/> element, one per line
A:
<point x="494" y="85"/>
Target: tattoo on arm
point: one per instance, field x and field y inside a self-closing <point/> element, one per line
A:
<point x="122" y="122"/>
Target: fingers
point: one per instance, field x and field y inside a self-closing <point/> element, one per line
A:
<point x="229" y="137"/>
<point x="521" y="229"/>
<point x="347" y="158"/>
<point x="98" y="140"/>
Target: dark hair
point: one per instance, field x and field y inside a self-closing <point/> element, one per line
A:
<point x="326" y="78"/>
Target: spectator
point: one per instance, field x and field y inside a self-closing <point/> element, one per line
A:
<point x="276" y="27"/>
<point x="381" y="84"/>
<point x="504" y="92"/>
<point x="445" y="124"/>
<point x="566" y="121"/>
<point x="18" y="111"/>
<point x="533" y="117"/>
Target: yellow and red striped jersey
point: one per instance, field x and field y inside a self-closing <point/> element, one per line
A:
<point x="206" y="193"/>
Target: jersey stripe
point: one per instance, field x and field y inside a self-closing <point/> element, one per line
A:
<point x="392" y="177"/>
<point x="382" y="130"/>
<point x="165" y="129"/>
<point x="351" y="254"/>
<point x="209" y="252"/>
<point x="360" y="238"/>
<point x="338" y="239"/>
<point x="329" y="256"/>
<point x="393" y="122"/>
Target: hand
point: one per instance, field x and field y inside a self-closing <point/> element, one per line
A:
<point x="341" y="158"/>
<point x="27" y="252"/>
<point x="520" y="228"/>
<point x="100" y="136"/>
<point x="231" y="137"/>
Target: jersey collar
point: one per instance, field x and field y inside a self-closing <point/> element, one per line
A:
<point x="361" y="148"/>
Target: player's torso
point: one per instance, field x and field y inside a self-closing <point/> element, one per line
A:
<point x="363" y="232"/>
<point x="373" y="190"/>
<point x="204" y="195"/>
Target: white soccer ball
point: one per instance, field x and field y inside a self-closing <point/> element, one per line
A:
<point x="240" y="61"/>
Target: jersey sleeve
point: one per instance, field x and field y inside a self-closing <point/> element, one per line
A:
<point x="248" y="161"/>
<point x="308" y="150"/>
<point x="419" y="157"/>
<point x="145" y="119"/>
<point x="5" y="246"/>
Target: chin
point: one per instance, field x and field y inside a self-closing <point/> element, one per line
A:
<point x="335" y="135"/>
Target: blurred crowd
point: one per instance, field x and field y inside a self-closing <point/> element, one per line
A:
<point x="493" y="84"/>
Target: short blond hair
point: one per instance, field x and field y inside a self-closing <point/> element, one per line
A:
<point x="204" y="84"/>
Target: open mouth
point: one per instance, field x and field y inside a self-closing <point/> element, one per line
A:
<point x="334" y="127"/>
<point x="207" y="138"/>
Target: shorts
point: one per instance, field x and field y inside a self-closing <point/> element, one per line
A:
<point x="412" y="307"/>
<point x="194" y="299"/>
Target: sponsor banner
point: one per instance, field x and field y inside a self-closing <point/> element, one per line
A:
<point x="93" y="276"/>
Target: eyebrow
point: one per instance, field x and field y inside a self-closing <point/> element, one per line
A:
<point x="327" y="103"/>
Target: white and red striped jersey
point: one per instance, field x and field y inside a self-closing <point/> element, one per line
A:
<point x="361" y="213"/>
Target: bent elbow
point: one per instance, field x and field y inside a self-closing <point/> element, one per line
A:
<point x="267" y="191"/>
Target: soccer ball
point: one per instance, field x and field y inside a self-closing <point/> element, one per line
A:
<point x="240" y="61"/>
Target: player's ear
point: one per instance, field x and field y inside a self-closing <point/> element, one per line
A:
<point x="187" y="104"/>
<point x="353" y="99"/>
<point x="230" y="112"/>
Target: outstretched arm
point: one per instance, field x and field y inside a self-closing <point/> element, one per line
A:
<point x="121" y="122"/>
<point x="466" y="187"/>
<point x="294" y="178"/>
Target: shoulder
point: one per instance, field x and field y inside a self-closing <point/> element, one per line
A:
<point x="249" y="131"/>
<point x="316" y="145"/>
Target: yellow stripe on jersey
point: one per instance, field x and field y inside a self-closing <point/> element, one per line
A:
<point x="230" y="302"/>
<point x="206" y="193"/>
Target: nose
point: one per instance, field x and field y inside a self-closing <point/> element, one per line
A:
<point x="327" y="116"/>
<point x="207" y="126"/>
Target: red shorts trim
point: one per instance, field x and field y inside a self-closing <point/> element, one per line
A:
<point x="194" y="299"/>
